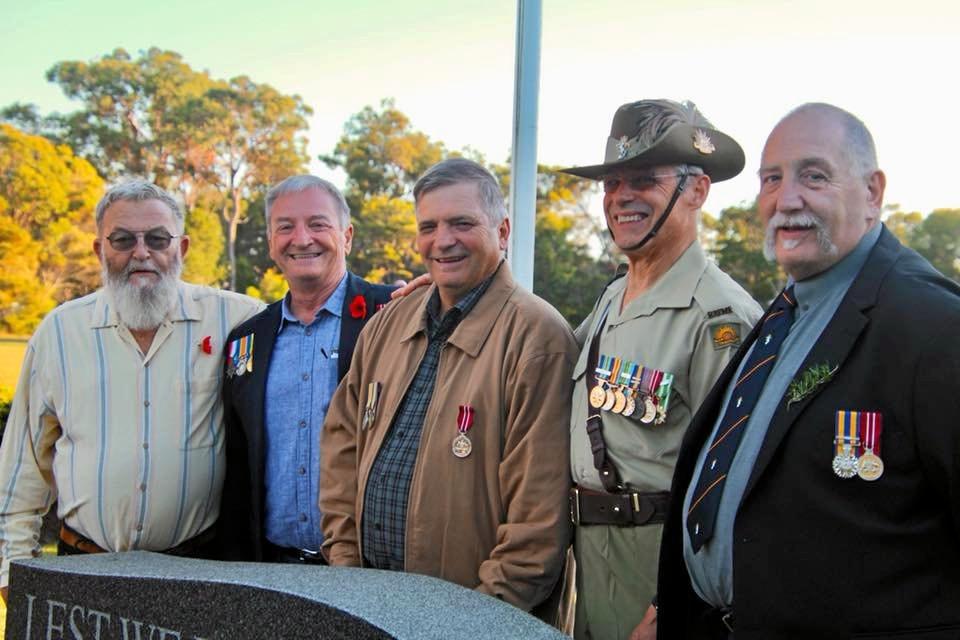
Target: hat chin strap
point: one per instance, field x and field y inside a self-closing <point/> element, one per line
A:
<point x="663" y="218"/>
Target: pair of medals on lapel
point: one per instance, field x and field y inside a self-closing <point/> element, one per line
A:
<point x="462" y="446"/>
<point x="240" y="356"/>
<point x="631" y="390"/>
<point x="857" y="445"/>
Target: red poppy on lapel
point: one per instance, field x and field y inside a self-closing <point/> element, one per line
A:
<point x="358" y="308"/>
<point x="206" y="345"/>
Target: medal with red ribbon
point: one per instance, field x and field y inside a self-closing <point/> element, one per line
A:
<point x="461" y="444"/>
<point x="870" y="466"/>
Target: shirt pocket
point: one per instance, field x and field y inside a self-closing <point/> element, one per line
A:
<point x="200" y="413"/>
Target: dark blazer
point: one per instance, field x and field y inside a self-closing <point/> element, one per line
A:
<point x="819" y="557"/>
<point x="240" y="528"/>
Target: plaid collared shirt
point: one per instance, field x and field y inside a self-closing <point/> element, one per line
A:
<point x="388" y="487"/>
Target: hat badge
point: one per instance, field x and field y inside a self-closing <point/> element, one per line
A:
<point x="623" y="146"/>
<point x="702" y="142"/>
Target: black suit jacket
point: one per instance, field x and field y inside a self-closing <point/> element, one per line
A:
<point x="819" y="557"/>
<point x="240" y="528"/>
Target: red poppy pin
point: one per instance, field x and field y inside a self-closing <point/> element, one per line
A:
<point x="206" y="345"/>
<point x="358" y="308"/>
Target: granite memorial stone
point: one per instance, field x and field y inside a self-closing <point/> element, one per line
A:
<point x="149" y="596"/>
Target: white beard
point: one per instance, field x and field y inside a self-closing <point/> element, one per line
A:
<point x="143" y="307"/>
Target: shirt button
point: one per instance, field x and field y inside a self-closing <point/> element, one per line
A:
<point x="139" y="527"/>
<point x="146" y="445"/>
<point x="303" y="423"/>
<point x="308" y="331"/>
<point x="146" y="403"/>
<point x="143" y="486"/>
<point x="303" y="517"/>
<point x="400" y="434"/>
<point x="305" y="376"/>
<point x="302" y="471"/>
<point x="377" y="526"/>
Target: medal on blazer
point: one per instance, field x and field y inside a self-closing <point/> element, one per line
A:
<point x="648" y="386"/>
<point x="597" y="395"/>
<point x="870" y="466"/>
<point x="619" y="397"/>
<point x="370" y="408"/>
<point x="846" y="442"/>
<point x="662" y="396"/>
<point x="611" y="398"/>
<point x="636" y="373"/>
<point x="240" y="356"/>
<point x="461" y="444"/>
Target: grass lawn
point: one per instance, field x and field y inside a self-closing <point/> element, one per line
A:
<point x="12" y="349"/>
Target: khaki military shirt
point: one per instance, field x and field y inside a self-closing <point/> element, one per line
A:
<point x="688" y="324"/>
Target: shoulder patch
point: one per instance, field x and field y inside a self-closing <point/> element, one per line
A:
<point x="725" y="334"/>
<point x="719" y="312"/>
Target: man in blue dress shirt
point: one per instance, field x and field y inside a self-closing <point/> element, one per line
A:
<point x="281" y="369"/>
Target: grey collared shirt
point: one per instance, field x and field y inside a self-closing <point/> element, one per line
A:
<point x="711" y="569"/>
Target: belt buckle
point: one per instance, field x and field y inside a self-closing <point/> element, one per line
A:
<point x="305" y="555"/>
<point x="727" y="620"/>
<point x="575" y="506"/>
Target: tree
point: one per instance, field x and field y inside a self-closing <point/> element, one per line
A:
<point x="218" y="143"/>
<point x="47" y="201"/>
<point x="203" y="264"/>
<point x="937" y="239"/>
<point x="382" y="154"/>
<point x="903" y="225"/>
<point x="23" y="300"/>
<point x="247" y="137"/>
<point x="566" y="273"/>
<point x="738" y="250"/>
<point x="126" y="125"/>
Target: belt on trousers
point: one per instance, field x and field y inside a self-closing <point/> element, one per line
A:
<point x="77" y="543"/>
<point x="628" y="509"/>
<point x="274" y="553"/>
<point x="719" y="621"/>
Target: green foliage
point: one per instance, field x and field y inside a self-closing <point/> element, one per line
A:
<point x="47" y="198"/>
<point x="203" y="264"/>
<point x="272" y="287"/>
<point x="937" y="239"/>
<point x="220" y="143"/>
<point x="6" y="399"/>
<point x="385" y="231"/>
<point x="382" y="154"/>
<point x="903" y="225"/>
<point x="737" y="246"/>
<point x="807" y="382"/>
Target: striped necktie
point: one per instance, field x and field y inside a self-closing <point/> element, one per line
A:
<point x="702" y="515"/>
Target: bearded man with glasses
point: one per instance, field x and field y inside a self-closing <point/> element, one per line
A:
<point x="117" y="415"/>
<point x="658" y="337"/>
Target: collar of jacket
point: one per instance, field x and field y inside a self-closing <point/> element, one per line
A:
<point x="475" y="327"/>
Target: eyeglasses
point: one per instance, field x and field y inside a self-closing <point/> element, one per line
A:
<point x="636" y="182"/>
<point x="157" y="239"/>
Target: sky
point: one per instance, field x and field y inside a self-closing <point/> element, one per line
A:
<point x="450" y="68"/>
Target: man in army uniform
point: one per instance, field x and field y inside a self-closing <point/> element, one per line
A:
<point x="655" y="342"/>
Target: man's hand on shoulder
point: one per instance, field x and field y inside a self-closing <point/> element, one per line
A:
<point x="647" y="629"/>
<point x="406" y="289"/>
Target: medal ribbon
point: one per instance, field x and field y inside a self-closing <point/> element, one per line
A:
<point x="615" y="370"/>
<point x="465" y="418"/>
<point x="663" y="391"/>
<point x="871" y="426"/>
<point x="603" y="368"/>
<point x="636" y="377"/>
<point x="625" y="374"/>
<point x="847" y="432"/>
<point x="655" y="379"/>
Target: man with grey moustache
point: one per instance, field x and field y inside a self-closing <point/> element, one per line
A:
<point x="117" y="415"/>
<point x="817" y="493"/>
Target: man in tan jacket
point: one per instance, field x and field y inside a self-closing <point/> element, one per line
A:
<point x="445" y="448"/>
